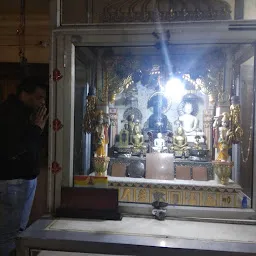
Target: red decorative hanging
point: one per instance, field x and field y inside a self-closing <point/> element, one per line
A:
<point x="56" y="168"/>
<point x="56" y="75"/>
<point x="56" y="125"/>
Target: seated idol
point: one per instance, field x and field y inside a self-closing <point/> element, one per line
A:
<point x="188" y="121"/>
<point x="180" y="141"/>
<point x="137" y="137"/>
<point x="223" y="141"/>
<point x="159" y="144"/>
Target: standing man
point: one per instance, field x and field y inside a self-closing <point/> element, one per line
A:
<point x="22" y="120"/>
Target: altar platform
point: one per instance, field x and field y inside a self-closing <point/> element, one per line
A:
<point x="174" y="192"/>
<point x="137" y="236"/>
<point x="177" y="192"/>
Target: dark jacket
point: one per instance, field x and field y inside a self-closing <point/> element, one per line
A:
<point x="20" y="141"/>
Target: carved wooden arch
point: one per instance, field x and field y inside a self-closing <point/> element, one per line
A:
<point x="165" y="10"/>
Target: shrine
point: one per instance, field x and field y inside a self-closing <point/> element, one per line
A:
<point x="155" y="139"/>
<point x="170" y="115"/>
<point x="156" y="102"/>
<point x="157" y="108"/>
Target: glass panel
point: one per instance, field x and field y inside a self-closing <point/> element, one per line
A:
<point x="247" y="111"/>
<point x="82" y="141"/>
<point x="164" y="127"/>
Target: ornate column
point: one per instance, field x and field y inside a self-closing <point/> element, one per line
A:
<point x="207" y="126"/>
<point x="102" y="89"/>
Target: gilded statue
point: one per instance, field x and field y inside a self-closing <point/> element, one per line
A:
<point x="188" y="121"/>
<point x="227" y="131"/>
<point x="131" y="123"/>
<point x="137" y="137"/>
<point x="101" y="135"/>
<point x="236" y="132"/>
<point x="180" y="140"/>
<point x="223" y="144"/>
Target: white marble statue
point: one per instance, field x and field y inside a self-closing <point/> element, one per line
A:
<point x="159" y="143"/>
<point x="188" y="121"/>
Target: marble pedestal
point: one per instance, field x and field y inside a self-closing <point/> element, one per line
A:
<point x="178" y="192"/>
<point x="185" y="183"/>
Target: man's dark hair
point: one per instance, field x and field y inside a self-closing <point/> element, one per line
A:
<point x="30" y="84"/>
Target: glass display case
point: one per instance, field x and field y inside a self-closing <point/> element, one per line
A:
<point x="152" y="116"/>
<point x="159" y="119"/>
<point x="162" y="112"/>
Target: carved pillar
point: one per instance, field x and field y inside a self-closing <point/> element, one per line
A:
<point x="207" y="125"/>
<point x="102" y="89"/>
